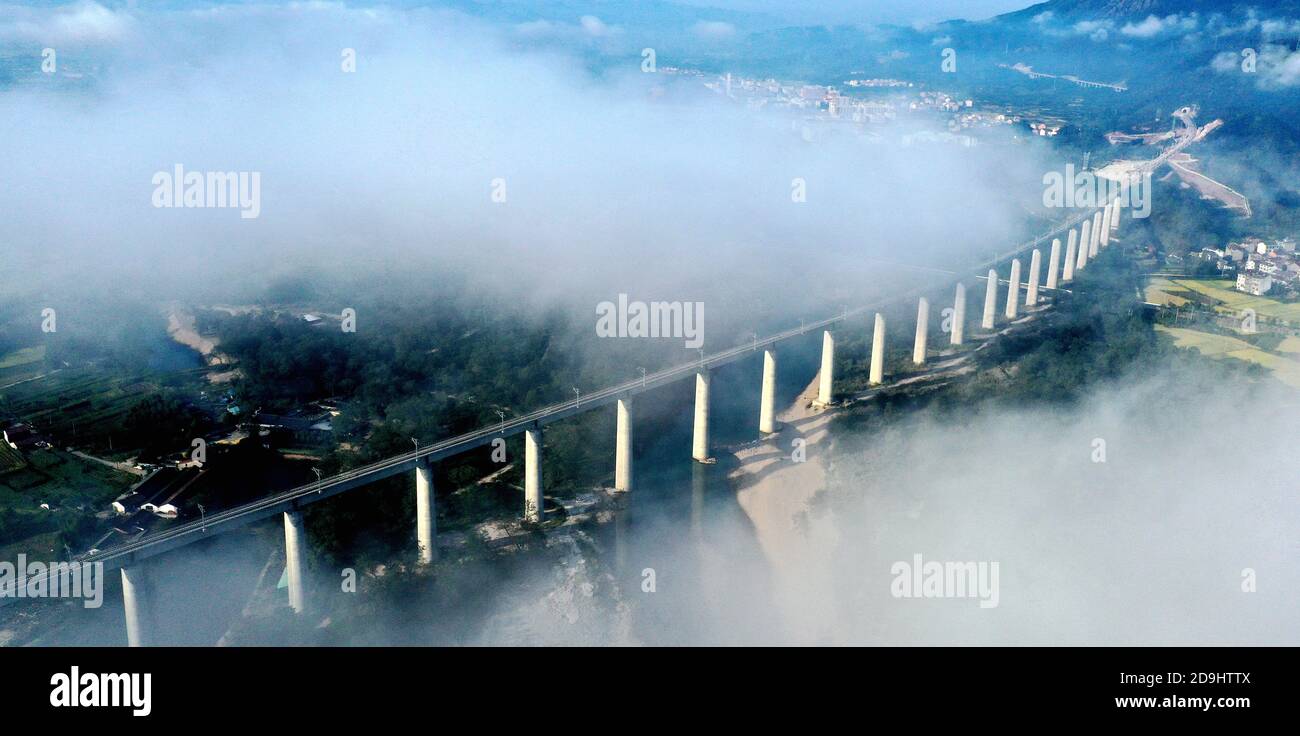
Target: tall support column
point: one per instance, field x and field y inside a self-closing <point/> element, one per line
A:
<point x="827" y="373"/>
<point x="990" y="299"/>
<point x="1094" y="244"/>
<point x="1035" y="265"/>
<point x="878" y="351"/>
<point x="959" y="315"/>
<point x="533" y="509"/>
<point x="922" y="331"/>
<point x="1067" y="271"/>
<point x="295" y="541"/>
<point x="1013" y="290"/>
<point x="136" y="604"/>
<point x="1085" y="237"/>
<point x="700" y="446"/>
<point x="1106" y="214"/>
<point x="1114" y="218"/>
<point x="426" y="516"/>
<point x="1054" y="263"/>
<point x="767" y="401"/>
<point x="623" y="447"/>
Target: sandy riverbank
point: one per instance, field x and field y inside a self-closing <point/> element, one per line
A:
<point x="776" y="492"/>
<point x="181" y="328"/>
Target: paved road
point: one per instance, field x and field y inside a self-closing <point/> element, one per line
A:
<point x="123" y="466"/>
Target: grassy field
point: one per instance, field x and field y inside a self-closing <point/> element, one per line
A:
<point x="1161" y="290"/>
<point x="10" y="459"/>
<point x="60" y="479"/>
<point x="1284" y="368"/>
<point x="42" y="546"/>
<point x="21" y="366"/>
<point x="80" y="405"/>
<point x="65" y="482"/>
<point x="1209" y="344"/>
<point x="1226" y="298"/>
<point x="83" y="406"/>
<point x="1290" y="345"/>
<point x="22" y="357"/>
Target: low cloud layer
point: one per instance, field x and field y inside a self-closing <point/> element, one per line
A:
<point x="1137" y="517"/>
<point x="621" y="182"/>
<point x="618" y="182"/>
<point x="84" y="23"/>
<point x="1273" y="66"/>
<point x="1153" y="25"/>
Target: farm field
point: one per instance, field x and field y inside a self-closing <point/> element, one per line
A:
<point x="21" y="366"/>
<point x="10" y="459"/>
<point x="1285" y="369"/>
<point x="1221" y="291"/>
<point x="76" y="490"/>
<point x="41" y="546"/>
<point x="60" y="478"/>
<point x="1290" y="345"/>
<point x="83" y="406"/>
<point x="22" y="357"/>
<point x="1160" y="290"/>
<point x="79" y="405"/>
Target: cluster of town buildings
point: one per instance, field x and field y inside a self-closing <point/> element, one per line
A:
<point x="310" y="426"/>
<point x="304" y="428"/>
<point x="966" y="117"/>
<point x="876" y="83"/>
<point x="829" y="101"/>
<point x="811" y="98"/>
<point x="1259" y="266"/>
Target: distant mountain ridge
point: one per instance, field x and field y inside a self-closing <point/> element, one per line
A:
<point x="1138" y="9"/>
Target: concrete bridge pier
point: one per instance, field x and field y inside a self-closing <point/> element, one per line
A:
<point x="827" y="373"/>
<point x="700" y="443"/>
<point x="1105" y="224"/>
<point x="1071" y="253"/>
<point x="959" y="314"/>
<point x="990" y="299"/>
<point x="767" y="402"/>
<point x="878" y="351"/>
<point x="623" y="447"/>
<point x="1035" y="265"/>
<point x="426" y="515"/>
<point x="1085" y="237"/>
<point x="1114" y="219"/>
<point x="533" y="510"/>
<point x="137" y="604"/>
<point x="1067" y="270"/>
<point x="922" y="331"/>
<point x="1013" y="290"/>
<point x="1093" y="246"/>
<point x="295" y="542"/>
<point x="1054" y="263"/>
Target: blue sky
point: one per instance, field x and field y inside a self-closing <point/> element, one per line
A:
<point x="869" y="11"/>
<point x="796" y="12"/>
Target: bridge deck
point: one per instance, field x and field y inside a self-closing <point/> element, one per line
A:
<point x="239" y="516"/>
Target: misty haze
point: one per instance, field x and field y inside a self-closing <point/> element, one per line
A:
<point x="656" y="323"/>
